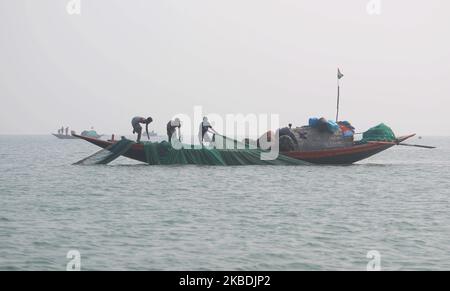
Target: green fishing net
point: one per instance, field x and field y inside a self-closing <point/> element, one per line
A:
<point x="380" y="132"/>
<point x="235" y="153"/>
<point x="107" y="155"/>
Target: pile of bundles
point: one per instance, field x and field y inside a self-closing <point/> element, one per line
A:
<point x="330" y="126"/>
<point x="346" y="128"/>
<point x="381" y="132"/>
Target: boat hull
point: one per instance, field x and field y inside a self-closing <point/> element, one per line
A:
<point x="337" y="156"/>
<point x="64" y="136"/>
<point x="342" y="156"/>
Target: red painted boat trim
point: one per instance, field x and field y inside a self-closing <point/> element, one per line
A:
<point x="338" y="151"/>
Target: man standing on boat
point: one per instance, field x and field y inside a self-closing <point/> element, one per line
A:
<point x="205" y="126"/>
<point x="137" y="128"/>
<point x="172" y="129"/>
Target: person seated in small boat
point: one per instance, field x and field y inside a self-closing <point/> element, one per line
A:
<point x="205" y="126"/>
<point x="172" y="129"/>
<point x="137" y="128"/>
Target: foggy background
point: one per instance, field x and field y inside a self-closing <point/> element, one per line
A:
<point x="119" y="59"/>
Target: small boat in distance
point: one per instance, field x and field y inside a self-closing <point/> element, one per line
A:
<point x="64" y="136"/>
<point x="63" y="133"/>
<point x="91" y="133"/>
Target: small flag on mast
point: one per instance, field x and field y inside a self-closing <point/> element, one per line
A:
<point x="340" y="75"/>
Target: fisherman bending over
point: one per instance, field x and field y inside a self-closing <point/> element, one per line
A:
<point x="205" y="126"/>
<point x="172" y="128"/>
<point x="137" y="128"/>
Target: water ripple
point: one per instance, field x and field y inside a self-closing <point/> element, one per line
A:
<point x="129" y="216"/>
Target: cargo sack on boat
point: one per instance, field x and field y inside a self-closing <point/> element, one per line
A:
<point x="323" y="125"/>
<point x="107" y="155"/>
<point x="380" y="132"/>
<point x="233" y="154"/>
<point x="348" y="131"/>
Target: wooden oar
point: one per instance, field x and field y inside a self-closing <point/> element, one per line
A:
<point x="417" y="145"/>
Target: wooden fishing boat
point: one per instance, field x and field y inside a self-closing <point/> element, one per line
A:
<point x="64" y="136"/>
<point x="342" y="155"/>
<point x="320" y="142"/>
<point x="90" y="134"/>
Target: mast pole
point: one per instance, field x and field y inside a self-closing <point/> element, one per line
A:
<point x="339" y="77"/>
<point x="337" y="106"/>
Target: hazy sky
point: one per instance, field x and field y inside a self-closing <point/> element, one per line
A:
<point x="118" y="59"/>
